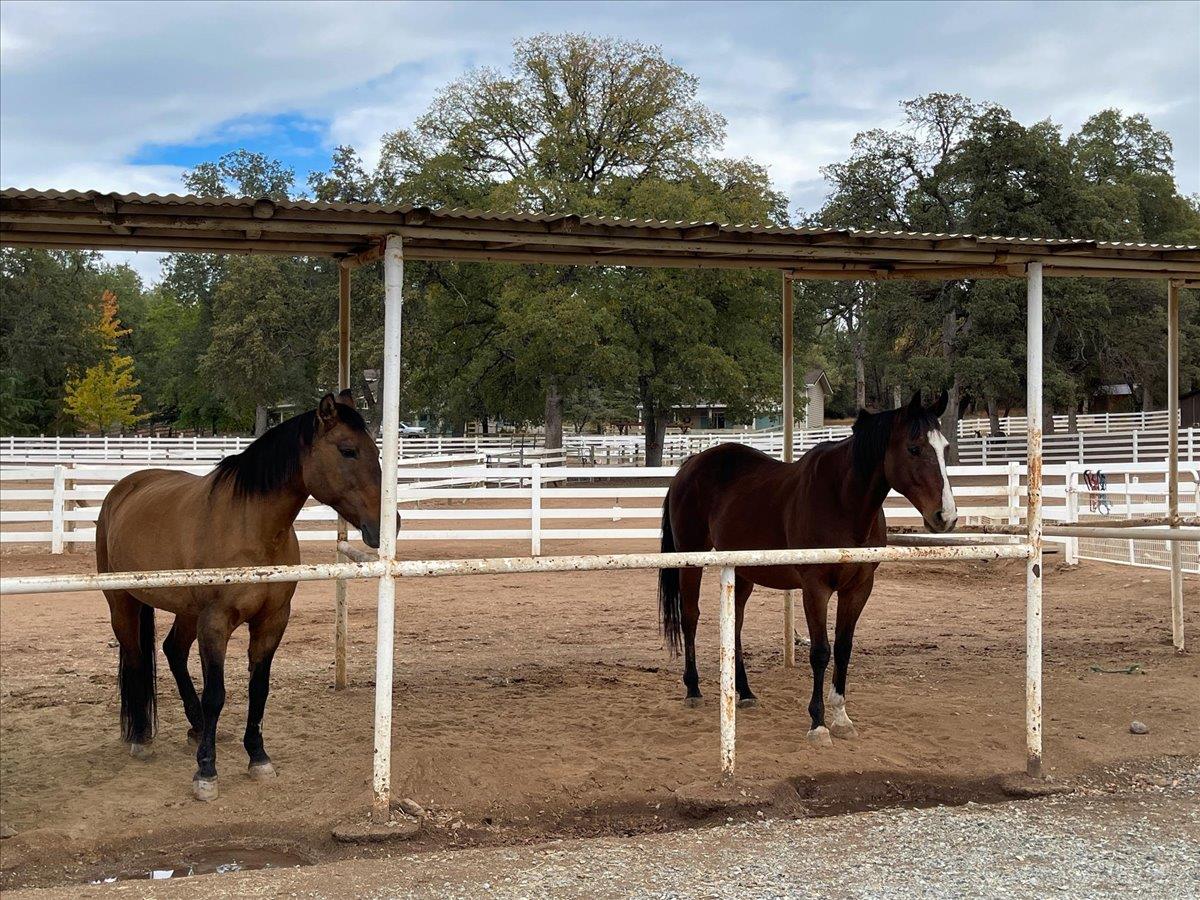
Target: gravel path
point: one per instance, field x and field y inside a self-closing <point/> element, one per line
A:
<point x="1135" y="836"/>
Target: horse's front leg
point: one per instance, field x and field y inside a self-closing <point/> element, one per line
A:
<point x="816" y="608"/>
<point x="850" y="606"/>
<point x="214" y="634"/>
<point x="266" y="631"/>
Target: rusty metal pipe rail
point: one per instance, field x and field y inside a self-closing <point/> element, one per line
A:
<point x="41" y="584"/>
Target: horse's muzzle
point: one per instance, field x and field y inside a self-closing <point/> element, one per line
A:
<point x="370" y="534"/>
<point x="938" y="523"/>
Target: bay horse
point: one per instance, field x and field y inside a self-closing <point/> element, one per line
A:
<point x="240" y="514"/>
<point x="732" y="497"/>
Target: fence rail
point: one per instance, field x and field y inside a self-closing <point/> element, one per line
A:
<point x="536" y="504"/>
<point x="1097" y="446"/>
<point x="1105" y="422"/>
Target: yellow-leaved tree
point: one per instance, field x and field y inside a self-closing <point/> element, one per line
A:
<point x="105" y="396"/>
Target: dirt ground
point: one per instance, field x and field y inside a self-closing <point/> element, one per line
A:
<point x="531" y="707"/>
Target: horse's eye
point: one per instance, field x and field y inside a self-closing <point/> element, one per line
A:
<point x="914" y="451"/>
<point x="349" y="454"/>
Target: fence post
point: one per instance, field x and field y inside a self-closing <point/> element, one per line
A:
<point x="1079" y="437"/>
<point x="535" y="509"/>
<point x="1014" y="493"/>
<point x="1072" y="494"/>
<point x="1135" y="446"/>
<point x="69" y="505"/>
<point x="728" y="691"/>
<point x="56" y="510"/>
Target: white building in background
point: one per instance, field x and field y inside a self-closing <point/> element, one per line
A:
<point x="816" y="388"/>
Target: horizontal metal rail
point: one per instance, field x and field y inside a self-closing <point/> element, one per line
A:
<point x="42" y="584"/>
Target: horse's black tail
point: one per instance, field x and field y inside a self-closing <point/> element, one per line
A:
<point x="669" y="603"/>
<point x="139" y="705"/>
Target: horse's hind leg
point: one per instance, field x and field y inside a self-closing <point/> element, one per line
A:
<point x="742" y="589"/>
<point x="689" y="598"/>
<point x="265" y="635"/>
<point x="850" y="606"/>
<point x="133" y="625"/>
<point x="176" y="647"/>
<point x="213" y="631"/>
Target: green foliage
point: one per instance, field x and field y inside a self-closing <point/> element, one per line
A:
<point x="104" y="396"/>
<point x="958" y="166"/>
<point x="600" y="126"/>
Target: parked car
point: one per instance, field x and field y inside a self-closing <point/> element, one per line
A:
<point x="411" y="430"/>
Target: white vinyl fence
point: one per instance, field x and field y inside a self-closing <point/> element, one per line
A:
<point x="1083" y="447"/>
<point x="1104" y="422"/>
<point x="1095" y="446"/>
<point x="534" y="504"/>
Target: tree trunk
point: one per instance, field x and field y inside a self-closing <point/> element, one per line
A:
<point x="1047" y="418"/>
<point x="1073" y="418"/>
<point x="374" y="414"/>
<point x="655" y="426"/>
<point x="554" y="417"/>
<point x="897" y="396"/>
<point x="860" y="374"/>
<point x="260" y="420"/>
<point x="949" y="422"/>
<point x="950" y="417"/>
<point x="1147" y="396"/>
<point x="993" y="415"/>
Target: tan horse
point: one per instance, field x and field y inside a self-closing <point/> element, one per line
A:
<point x="240" y="514"/>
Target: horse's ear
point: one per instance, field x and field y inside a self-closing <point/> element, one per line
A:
<point x="861" y="420"/>
<point x="346" y="398"/>
<point x="914" y="405"/>
<point x="327" y="414"/>
<point x="940" y="406"/>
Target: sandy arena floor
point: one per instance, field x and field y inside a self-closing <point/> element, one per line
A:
<point x="540" y="706"/>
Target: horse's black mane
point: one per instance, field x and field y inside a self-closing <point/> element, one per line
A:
<point x="873" y="431"/>
<point x="274" y="459"/>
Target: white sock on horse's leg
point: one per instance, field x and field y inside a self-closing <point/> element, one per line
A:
<point x="839" y="723"/>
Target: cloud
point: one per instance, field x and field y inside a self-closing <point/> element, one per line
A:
<point x="124" y="96"/>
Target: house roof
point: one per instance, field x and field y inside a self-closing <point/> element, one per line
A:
<point x="356" y="231"/>
<point x="817" y="376"/>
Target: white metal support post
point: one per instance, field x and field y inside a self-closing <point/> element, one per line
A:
<point x="340" y="615"/>
<point x="1173" y="289"/>
<point x="1033" y="565"/>
<point x="728" y="690"/>
<point x="789" y="425"/>
<point x="385" y="637"/>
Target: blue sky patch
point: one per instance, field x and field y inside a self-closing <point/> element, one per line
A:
<point x="297" y="140"/>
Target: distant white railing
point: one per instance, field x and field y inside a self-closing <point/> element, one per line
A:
<point x="1083" y="447"/>
<point x="540" y="503"/>
<point x="1106" y="422"/>
<point x="607" y="449"/>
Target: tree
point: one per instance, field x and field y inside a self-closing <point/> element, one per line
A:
<point x="959" y="166"/>
<point x="104" y="396"/>
<point x="588" y="126"/>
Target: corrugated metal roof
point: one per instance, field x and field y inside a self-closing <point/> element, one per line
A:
<point x="254" y="224"/>
<point x="488" y="215"/>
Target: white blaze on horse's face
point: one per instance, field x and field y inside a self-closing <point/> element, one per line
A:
<point x="949" y="509"/>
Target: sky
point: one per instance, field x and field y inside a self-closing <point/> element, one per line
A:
<point x="126" y="96"/>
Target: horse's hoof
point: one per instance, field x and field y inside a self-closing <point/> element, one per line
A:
<point x="204" y="789"/>
<point x="193" y="737"/>
<point x="141" y="751"/>
<point x="819" y="737"/>
<point x="693" y="702"/>
<point x="747" y="703"/>
<point x="261" y="771"/>
<point x="847" y="731"/>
